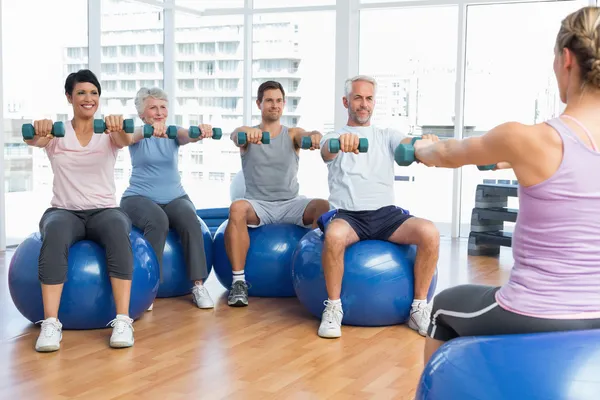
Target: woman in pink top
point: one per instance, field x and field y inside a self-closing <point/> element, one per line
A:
<point x="555" y="282"/>
<point x="84" y="206"/>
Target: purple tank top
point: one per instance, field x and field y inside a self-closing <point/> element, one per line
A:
<point x="556" y="241"/>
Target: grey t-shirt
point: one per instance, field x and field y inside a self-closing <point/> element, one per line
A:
<point x="364" y="181"/>
<point x="271" y="170"/>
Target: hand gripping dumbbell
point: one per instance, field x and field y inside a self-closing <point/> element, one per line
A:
<point x="242" y="138"/>
<point x="148" y="131"/>
<point x="334" y="145"/>
<point x="100" y="126"/>
<point x="195" y="132"/>
<point x="28" y="130"/>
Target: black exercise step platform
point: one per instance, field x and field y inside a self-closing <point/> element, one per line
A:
<point x="488" y="243"/>
<point x="492" y="219"/>
<point x="494" y="195"/>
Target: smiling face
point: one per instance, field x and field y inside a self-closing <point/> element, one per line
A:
<point x="272" y="105"/>
<point x="84" y="98"/>
<point x="155" y="110"/>
<point x="360" y="103"/>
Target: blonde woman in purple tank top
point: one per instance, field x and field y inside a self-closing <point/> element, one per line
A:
<point x="555" y="282"/>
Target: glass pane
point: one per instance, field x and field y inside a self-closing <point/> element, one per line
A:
<point x="132" y="57"/>
<point x="289" y="50"/>
<point x="209" y="89"/>
<point x="38" y="55"/>
<point x="380" y="1"/>
<point x="500" y="64"/>
<point x="207" y="4"/>
<point x="292" y="3"/>
<point x="415" y="94"/>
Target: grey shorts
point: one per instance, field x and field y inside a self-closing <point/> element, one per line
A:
<point x="280" y="212"/>
<point x="472" y="310"/>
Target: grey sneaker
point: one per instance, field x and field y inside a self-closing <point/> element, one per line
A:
<point x="238" y="295"/>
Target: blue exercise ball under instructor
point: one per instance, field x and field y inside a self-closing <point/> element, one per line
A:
<point x="549" y="366"/>
<point x="87" y="300"/>
<point x="378" y="283"/>
<point x="269" y="259"/>
<point x="175" y="276"/>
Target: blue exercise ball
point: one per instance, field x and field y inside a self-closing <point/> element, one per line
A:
<point x="549" y="366"/>
<point x="268" y="263"/>
<point x="378" y="283"/>
<point x="175" y="278"/>
<point x="87" y="301"/>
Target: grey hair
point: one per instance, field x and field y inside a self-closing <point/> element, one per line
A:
<point x="144" y="93"/>
<point x="359" y="78"/>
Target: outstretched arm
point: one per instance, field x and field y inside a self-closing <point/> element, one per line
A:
<point x="505" y="143"/>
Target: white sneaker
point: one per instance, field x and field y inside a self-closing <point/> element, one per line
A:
<point x="420" y="317"/>
<point x="331" y="321"/>
<point x="151" y="307"/>
<point x="201" y="297"/>
<point x="122" y="334"/>
<point x="50" y="335"/>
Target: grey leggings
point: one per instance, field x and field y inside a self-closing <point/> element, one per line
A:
<point x="471" y="310"/>
<point x="156" y="219"/>
<point x="109" y="227"/>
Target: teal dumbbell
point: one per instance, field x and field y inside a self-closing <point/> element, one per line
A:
<point x="195" y="133"/>
<point x="100" y="126"/>
<point x="149" y="131"/>
<point x="28" y="131"/>
<point x="334" y="145"/>
<point x="242" y="138"/>
<point x="404" y="155"/>
<point x="306" y="142"/>
<point x="486" y="167"/>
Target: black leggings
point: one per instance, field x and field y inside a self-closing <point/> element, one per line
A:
<point x="156" y="219"/>
<point x="60" y="229"/>
<point x="471" y="310"/>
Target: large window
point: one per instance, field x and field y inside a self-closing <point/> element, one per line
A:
<point x="286" y="48"/>
<point x="132" y="51"/>
<point x="209" y="89"/>
<point x="415" y="72"/>
<point x="40" y="49"/>
<point x="509" y="77"/>
<point x="411" y="51"/>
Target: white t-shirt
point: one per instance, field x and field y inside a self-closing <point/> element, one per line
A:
<point x="364" y="181"/>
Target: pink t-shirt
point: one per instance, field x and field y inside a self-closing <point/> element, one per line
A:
<point x="84" y="177"/>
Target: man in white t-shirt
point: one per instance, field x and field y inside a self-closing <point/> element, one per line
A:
<point x="361" y="187"/>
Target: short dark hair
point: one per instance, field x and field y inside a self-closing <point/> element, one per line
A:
<point x="268" y="85"/>
<point x="83" y="75"/>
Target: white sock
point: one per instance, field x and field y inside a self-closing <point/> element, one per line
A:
<point x="123" y="316"/>
<point x="418" y="304"/>
<point x="239" y="276"/>
<point x="335" y="302"/>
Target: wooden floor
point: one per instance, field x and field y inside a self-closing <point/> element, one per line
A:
<point x="269" y="350"/>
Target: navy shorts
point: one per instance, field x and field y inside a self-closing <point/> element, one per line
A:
<point x="377" y="224"/>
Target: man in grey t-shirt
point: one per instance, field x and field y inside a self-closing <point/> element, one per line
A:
<point x="271" y="179"/>
<point x="361" y="188"/>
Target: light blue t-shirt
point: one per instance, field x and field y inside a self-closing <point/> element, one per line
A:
<point x="155" y="172"/>
<point x="364" y="181"/>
